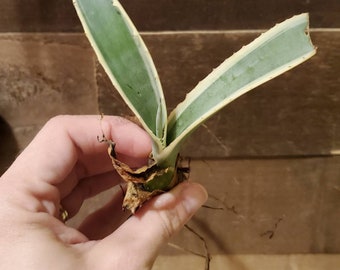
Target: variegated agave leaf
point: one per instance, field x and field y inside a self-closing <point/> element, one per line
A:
<point x="127" y="62"/>
<point x="281" y="48"/>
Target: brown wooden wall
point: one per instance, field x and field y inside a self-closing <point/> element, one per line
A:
<point x="269" y="159"/>
<point x="164" y="15"/>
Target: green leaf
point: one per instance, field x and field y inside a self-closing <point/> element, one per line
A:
<point x="274" y="52"/>
<point x="127" y="62"/>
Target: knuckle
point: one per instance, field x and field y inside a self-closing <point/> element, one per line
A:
<point x="56" y="122"/>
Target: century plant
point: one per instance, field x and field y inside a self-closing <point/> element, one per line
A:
<point x="126" y="60"/>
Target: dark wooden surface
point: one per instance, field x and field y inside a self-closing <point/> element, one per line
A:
<point x="42" y="76"/>
<point x="270" y="206"/>
<point x="38" y="16"/>
<point x="233" y="14"/>
<point x="160" y="15"/>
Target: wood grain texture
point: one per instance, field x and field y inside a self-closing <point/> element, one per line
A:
<point x="250" y="262"/>
<point x="38" y="16"/>
<point x="270" y="206"/>
<point x="42" y="76"/>
<point x="295" y="114"/>
<point x="160" y="15"/>
<point x="176" y="15"/>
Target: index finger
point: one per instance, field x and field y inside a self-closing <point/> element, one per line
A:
<point x="67" y="141"/>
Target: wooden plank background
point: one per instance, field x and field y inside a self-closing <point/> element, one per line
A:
<point x="269" y="159"/>
<point x="164" y="15"/>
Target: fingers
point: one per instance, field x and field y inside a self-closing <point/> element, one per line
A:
<point x="70" y="141"/>
<point x="67" y="150"/>
<point x="140" y="237"/>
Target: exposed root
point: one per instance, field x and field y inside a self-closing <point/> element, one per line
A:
<point x="207" y="255"/>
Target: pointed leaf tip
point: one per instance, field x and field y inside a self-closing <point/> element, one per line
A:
<point x="281" y="48"/>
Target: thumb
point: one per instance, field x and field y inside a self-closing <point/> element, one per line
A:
<point x="137" y="242"/>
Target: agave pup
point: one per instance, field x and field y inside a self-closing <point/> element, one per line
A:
<point x="125" y="58"/>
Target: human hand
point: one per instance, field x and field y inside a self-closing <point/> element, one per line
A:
<point x="64" y="165"/>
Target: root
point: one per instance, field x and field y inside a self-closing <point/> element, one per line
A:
<point x="207" y="255"/>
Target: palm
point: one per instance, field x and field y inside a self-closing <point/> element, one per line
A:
<point x="65" y="165"/>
